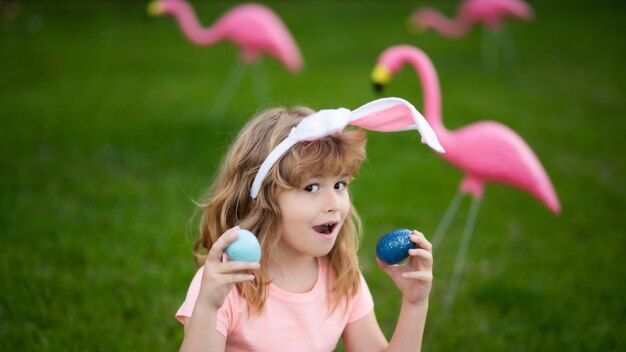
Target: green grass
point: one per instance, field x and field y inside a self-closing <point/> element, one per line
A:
<point x="106" y="140"/>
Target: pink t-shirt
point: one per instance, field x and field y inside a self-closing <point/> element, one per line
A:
<point x="289" y="321"/>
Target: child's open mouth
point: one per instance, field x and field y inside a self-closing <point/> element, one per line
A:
<point x="325" y="229"/>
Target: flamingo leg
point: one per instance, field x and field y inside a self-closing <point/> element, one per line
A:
<point x="489" y="49"/>
<point x="227" y="92"/>
<point x="458" y="265"/>
<point x="509" y="52"/>
<point x="461" y="255"/>
<point x="444" y="224"/>
<point x="260" y="84"/>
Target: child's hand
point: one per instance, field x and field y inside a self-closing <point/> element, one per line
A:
<point x="414" y="278"/>
<point x="219" y="275"/>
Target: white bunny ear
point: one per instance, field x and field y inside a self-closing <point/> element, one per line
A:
<point x="394" y="114"/>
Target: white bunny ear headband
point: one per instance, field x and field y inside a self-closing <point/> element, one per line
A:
<point x="383" y="115"/>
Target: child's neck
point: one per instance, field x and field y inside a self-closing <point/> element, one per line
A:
<point x="294" y="274"/>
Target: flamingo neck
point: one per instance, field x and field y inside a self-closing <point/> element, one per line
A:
<point x="189" y="24"/>
<point x="453" y="28"/>
<point x="430" y="87"/>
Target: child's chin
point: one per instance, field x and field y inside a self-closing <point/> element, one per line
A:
<point x="322" y="251"/>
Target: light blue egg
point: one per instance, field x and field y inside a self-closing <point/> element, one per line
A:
<point x="245" y="248"/>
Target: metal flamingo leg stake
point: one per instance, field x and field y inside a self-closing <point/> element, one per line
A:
<point x="457" y="269"/>
<point x="444" y="224"/>
<point x="489" y="49"/>
<point x="509" y="52"/>
<point x="227" y="92"/>
<point x="260" y="84"/>
<point x="461" y="255"/>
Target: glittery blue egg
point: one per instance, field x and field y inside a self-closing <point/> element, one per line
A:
<point x="394" y="246"/>
<point x="245" y="248"/>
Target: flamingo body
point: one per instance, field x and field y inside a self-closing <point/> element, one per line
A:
<point x="254" y="28"/>
<point x="489" y="151"/>
<point x="485" y="151"/>
<point x="490" y="13"/>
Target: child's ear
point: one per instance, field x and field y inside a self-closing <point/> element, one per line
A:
<point x="394" y="114"/>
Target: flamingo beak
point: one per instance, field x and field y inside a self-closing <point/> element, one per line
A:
<point x="380" y="77"/>
<point x="414" y="25"/>
<point x="155" y="8"/>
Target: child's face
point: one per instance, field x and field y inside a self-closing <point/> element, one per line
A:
<point x="313" y="214"/>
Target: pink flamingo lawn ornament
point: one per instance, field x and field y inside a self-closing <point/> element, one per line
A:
<point x="485" y="151"/>
<point x="490" y="13"/>
<point x="254" y="28"/>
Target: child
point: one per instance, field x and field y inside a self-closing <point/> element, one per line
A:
<point x="285" y="179"/>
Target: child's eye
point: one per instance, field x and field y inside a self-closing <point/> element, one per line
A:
<point x="314" y="187"/>
<point x="341" y="185"/>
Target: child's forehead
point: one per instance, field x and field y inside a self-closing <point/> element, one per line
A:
<point x="340" y="174"/>
<point x="319" y="173"/>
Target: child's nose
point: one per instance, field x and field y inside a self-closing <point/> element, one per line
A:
<point x="331" y="201"/>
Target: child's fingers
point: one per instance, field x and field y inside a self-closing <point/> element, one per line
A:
<point x="233" y="267"/>
<point x="425" y="276"/>
<point x="236" y="278"/>
<point x="215" y="253"/>
<point x="426" y="257"/>
<point x="421" y="253"/>
<point x="420" y="240"/>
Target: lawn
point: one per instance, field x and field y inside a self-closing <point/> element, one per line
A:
<point x="107" y="138"/>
